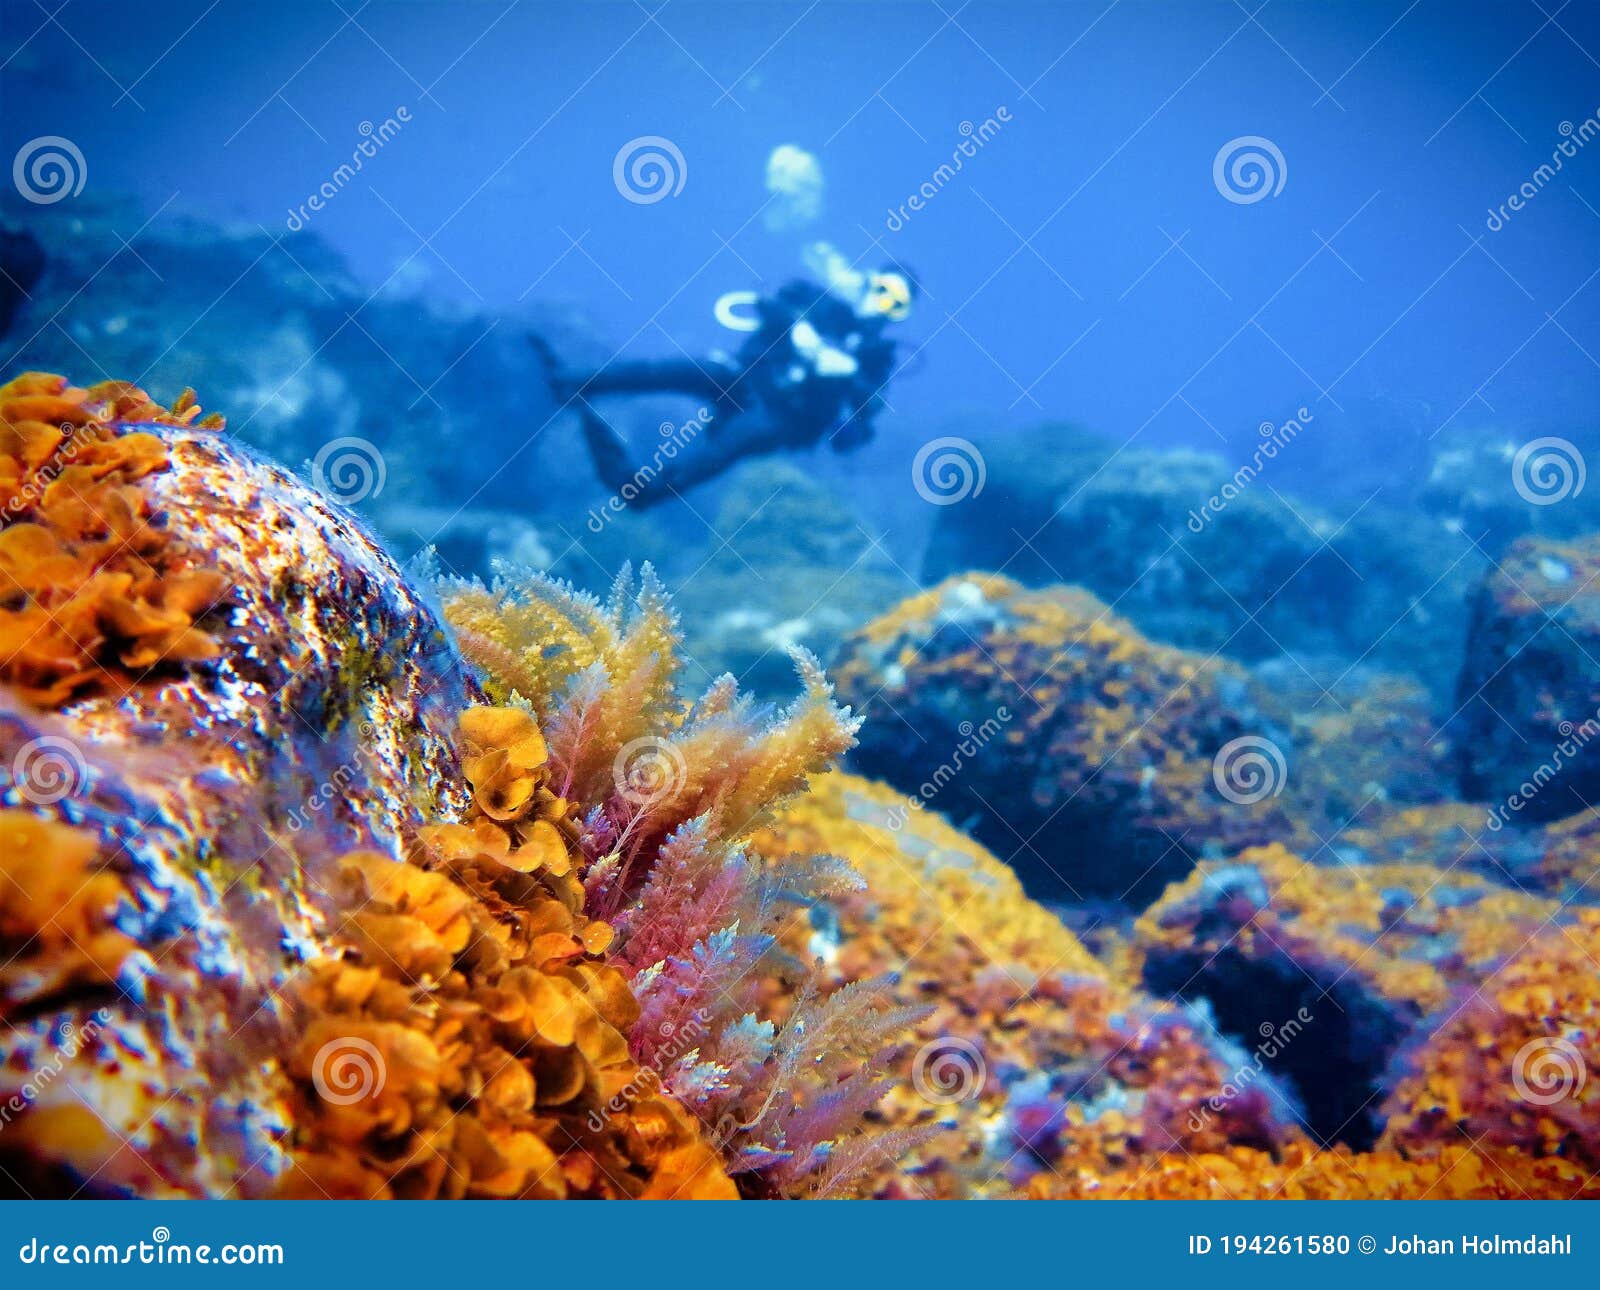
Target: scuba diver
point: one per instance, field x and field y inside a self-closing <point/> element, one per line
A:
<point x="812" y="367"/>
<point x="21" y="266"/>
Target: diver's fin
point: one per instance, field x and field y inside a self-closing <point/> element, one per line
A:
<point x="562" y="386"/>
<point x="613" y="461"/>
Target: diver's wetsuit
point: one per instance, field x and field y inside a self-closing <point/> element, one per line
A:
<point x="21" y="267"/>
<point x="771" y="398"/>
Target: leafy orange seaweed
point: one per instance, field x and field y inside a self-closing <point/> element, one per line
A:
<point x="94" y="592"/>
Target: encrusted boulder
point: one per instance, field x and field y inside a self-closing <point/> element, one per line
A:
<point x="1359" y="954"/>
<point x="1529" y="691"/>
<point x="1038" y="1058"/>
<point x="1098" y="764"/>
<point x="221" y="682"/>
<point x="1214" y="556"/>
<point x="1511" y="1062"/>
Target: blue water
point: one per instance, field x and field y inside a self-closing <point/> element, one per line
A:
<point x="1082" y="266"/>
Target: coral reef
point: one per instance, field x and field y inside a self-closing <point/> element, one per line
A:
<point x="1562" y="859"/>
<point x="502" y="1036"/>
<point x="1529" y="690"/>
<point x="1035" y="1060"/>
<point x="1364" y="952"/>
<point x="324" y="878"/>
<point x="1367" y="746"/>
<point x="1085" y="754"/>
<point x="462" y="1034"/>
<point x="92" y="594"/>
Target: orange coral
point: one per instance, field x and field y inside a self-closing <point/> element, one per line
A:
<point x="1516" y="1063"/>
<point x="1301" y="1172"/>
<point x="93" y="593"/>
<point x="471" y="1039"/>
<point x="56" y="904"/>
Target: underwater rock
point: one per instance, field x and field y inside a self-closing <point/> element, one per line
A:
<point x="1511" y="1061"/>
<point x="1476" y="485"/>
<point x="1093" y="760"/>
<point x="1529" y="690"/>
<point x="21" y="267"/>
<point x="1196" y="559"/>
<point x="792" y="566"/>
<point x="1036" y="1059"/>
<point x="1367" y="746"/>
<point x="1562" y="859"/>
<point x="1360" y="953"/>
<point x="298" y="350"/>
<point x="251" y="688"/>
